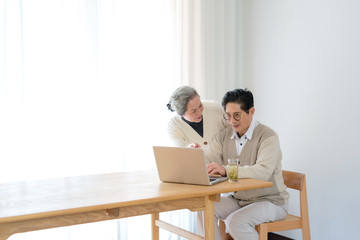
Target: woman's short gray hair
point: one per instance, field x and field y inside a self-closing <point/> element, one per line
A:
<point x="180" y="98"/>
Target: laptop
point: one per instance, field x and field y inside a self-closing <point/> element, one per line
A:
<point x="183" y="165"/>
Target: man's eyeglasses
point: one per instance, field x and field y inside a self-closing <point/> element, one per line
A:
<point x="236" y="116"/>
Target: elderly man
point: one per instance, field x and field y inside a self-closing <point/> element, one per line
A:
<point x="258" y="149"/>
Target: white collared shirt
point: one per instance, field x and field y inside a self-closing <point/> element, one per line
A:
<point x="240" y="142"/>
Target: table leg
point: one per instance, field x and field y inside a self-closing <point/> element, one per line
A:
<point x="155" y="229"/>
<point x="209" y="218"/>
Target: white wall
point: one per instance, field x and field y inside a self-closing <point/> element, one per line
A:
<point x="302" y="61"/>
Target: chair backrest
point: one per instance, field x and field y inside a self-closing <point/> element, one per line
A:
<point x="293" y="180"/>
<point x="297" y="181"/>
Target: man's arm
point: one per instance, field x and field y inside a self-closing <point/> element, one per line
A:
<point x="269" y="155"/>
<point x="215" y="151"/>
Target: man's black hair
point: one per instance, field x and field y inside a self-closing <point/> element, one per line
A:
<point x="241" y="96"/>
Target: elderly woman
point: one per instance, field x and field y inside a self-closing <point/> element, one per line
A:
<point x="196" y="121"/>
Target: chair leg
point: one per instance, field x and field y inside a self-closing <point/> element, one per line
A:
<point x="306" y="233"/>
<point x="263" y="231"/>
<point x="222" y="228"/>
<point x="304" y="213"/>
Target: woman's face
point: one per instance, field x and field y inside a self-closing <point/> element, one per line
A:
<point x="194" y="110"/>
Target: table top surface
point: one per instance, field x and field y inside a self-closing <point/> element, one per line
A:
<point x="62" y="196"/>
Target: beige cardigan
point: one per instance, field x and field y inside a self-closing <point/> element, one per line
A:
<point x="182" y="134"/>
<point x="260" y="159"/>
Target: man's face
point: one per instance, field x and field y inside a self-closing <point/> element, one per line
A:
<point x="194" y="110"/>
<point x="238" y="119"/>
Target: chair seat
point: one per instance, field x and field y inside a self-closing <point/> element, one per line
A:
<point x="290" y="222"/>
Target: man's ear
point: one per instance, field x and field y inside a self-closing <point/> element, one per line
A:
<point x="252" y="111"/>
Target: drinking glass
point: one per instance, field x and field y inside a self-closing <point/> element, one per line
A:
<point x="232" y="169"/>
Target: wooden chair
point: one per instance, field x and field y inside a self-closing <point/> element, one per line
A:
<point x="295" y="181"/>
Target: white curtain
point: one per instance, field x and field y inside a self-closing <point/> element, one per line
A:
<point x="211" y="42"/>
<point x="83" y="86"/>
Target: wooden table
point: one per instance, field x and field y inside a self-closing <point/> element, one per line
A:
<point x="43" y="204"/>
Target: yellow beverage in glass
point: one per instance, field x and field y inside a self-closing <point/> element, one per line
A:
<point x="232" y="169"/>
